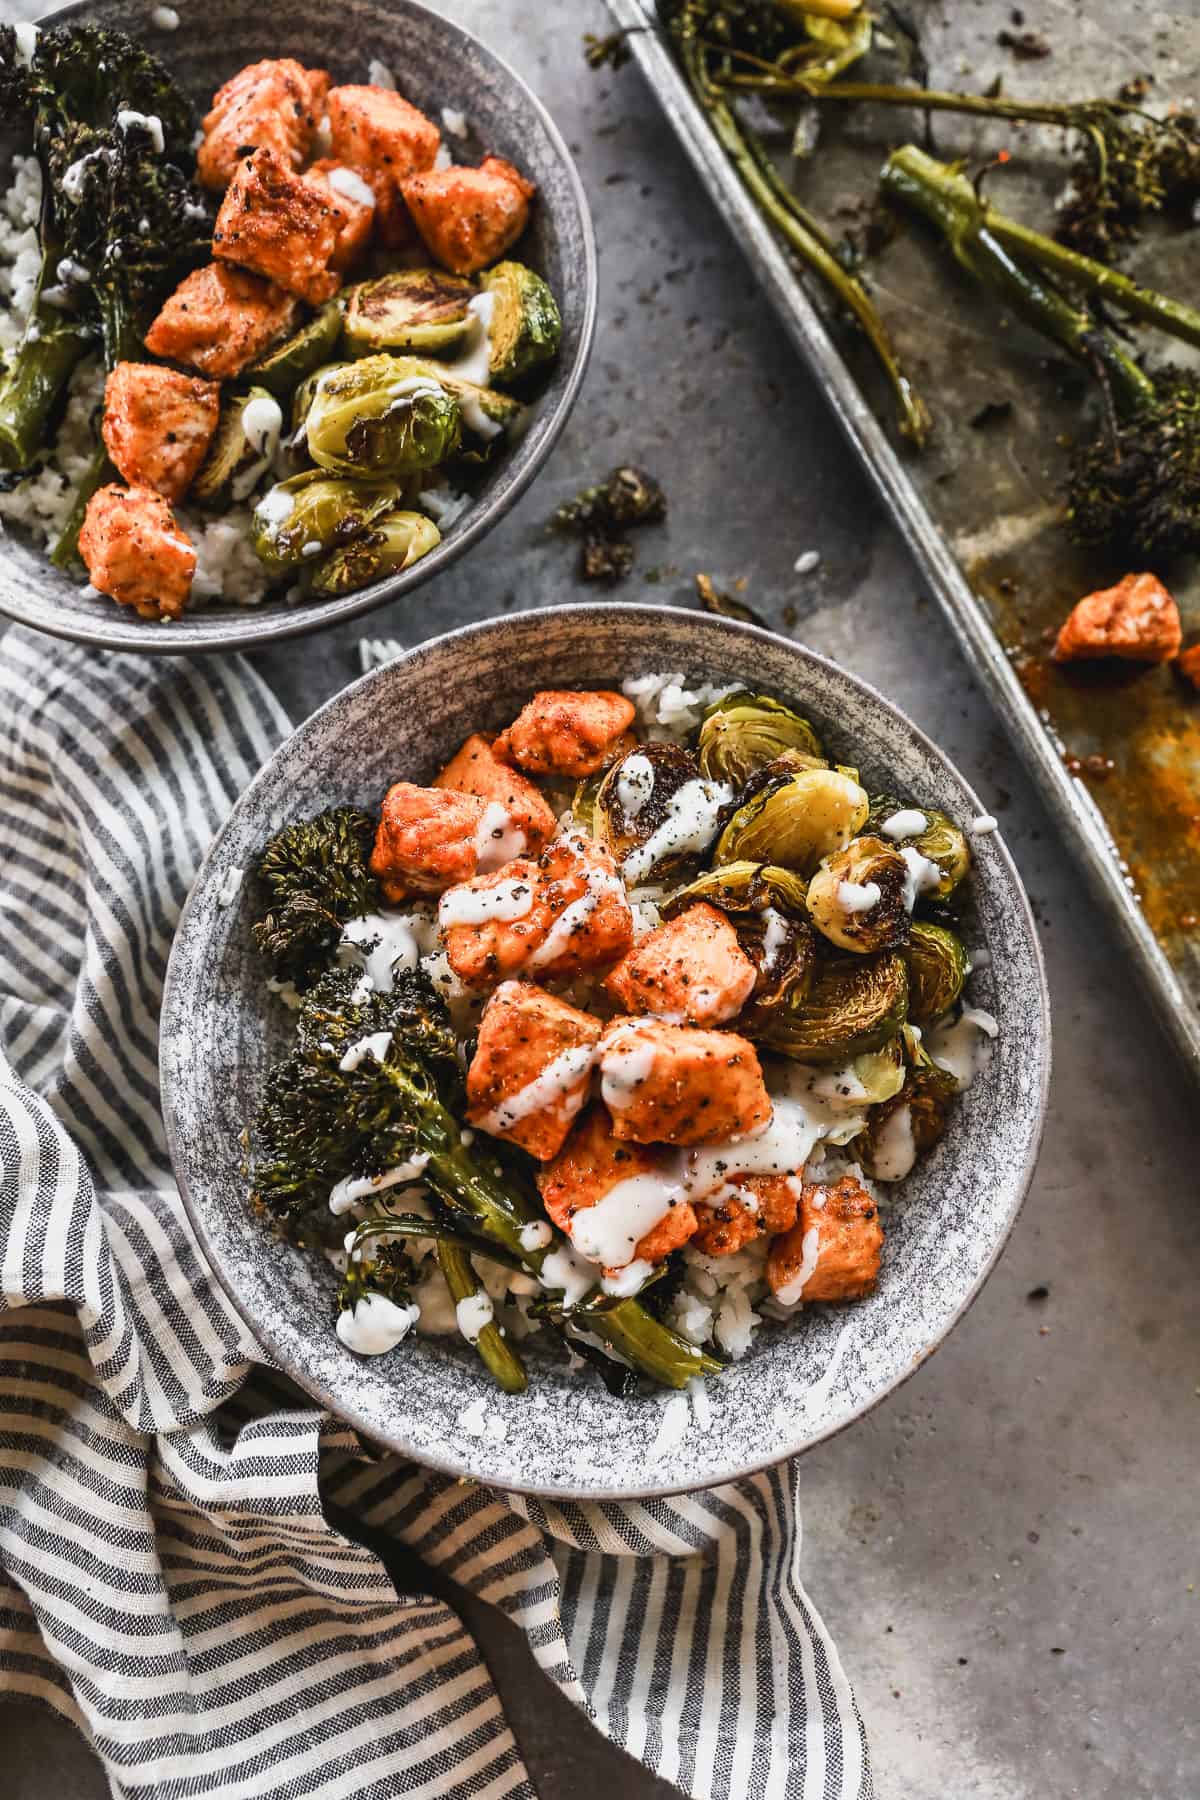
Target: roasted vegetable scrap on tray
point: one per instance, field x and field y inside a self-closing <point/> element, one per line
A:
<point x="612" y="1032"/>
<point x="306" y="328"/>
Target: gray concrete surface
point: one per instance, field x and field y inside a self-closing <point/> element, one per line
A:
<point x="1007" y="1552"/>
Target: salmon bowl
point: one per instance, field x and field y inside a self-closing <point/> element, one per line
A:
<point x="744" y="1369"/>
<point x="329" y="352"/>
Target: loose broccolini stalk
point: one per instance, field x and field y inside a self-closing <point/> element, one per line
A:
<point x="314" y="876"/>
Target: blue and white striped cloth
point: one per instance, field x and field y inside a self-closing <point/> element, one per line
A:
<point x="169" y="1579"/>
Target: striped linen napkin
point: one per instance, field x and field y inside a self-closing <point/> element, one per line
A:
<point x="169" y="1579"/>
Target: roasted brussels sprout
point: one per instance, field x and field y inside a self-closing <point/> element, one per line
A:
<point x="910" y="1124"/>
<point x="856" y="897"/>
<point x="282" y="370"/>
<point x="852" y="1004"/>
<point x="486" y="412"/>
<point x="766" y="908"/>
<point x="939" y="839"/>
<point x="311" y="514"/>
<point x="391" y="543"/>
<point x="583" y="802"/>
<point x="525" y="328"/>
<point x="385" y="415"/>
<point x="309" y="388"/>
<point x="242" y="448"/>
<point x="937" y="969"/>
<point x="742" y="732"/>
<point x="795" y="823"/>
<point x="425" y="311"/>
<point x="867" y="1080"/>
<point x="654" y="810"/>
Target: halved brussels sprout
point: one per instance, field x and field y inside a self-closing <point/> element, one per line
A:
<point x="385" y="415"/>
<point x="852" y="1005"/>
<point x="795" y="823"/>
<point x="583" y="802"/>
<point x="392" y="543"/>
<point x="653" y="810"/>
<point x="742" y="732"/>
<point x="242" y="448"/>
<point x="766" y="906"/>
<point x="282" y="369"/>
<point x="425" y="311"/>
<point x="867" y="1080"/>
<point x="525" y="328"/>
<point x="309" y="388"/>
<point x="911" y="1123"/>
<point x="941" y="840"/>
<point x="937" y="969"/>
<point x="856" y="897"/>
<point x="311" y="514"/>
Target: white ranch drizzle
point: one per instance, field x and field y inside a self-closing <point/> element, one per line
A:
<point x="600" y="884"/>
<point x="564" y="1272"/>
<point x="626" y="1063"/>
<point x="690" y="825"/>
<point x="376" y="1324"/>
<point x="609" y="1232"/>
<point x="908" y="822"/>
<point x="859" y="896"/>
<point x="498" y="839"/>
<point x="922" y="875"/>
<point x="810" y="1255"/>
<point x="775" y="937"/>
<point x="635" y="783"/>
<point x="535" y="1236"/>
<point x="472" y="1315"/>
<point x="376" y="1044"/>
<point x="353" y="1188"/>
<point x="351" y="186"/>
<point x="983" y="825"/>
<point x="378" y="943"/>
<point x="505" y="900"/>
<point x="895" y="1150"/>
<point x="262" y="423"/>
<point x="127" y="118"/>
<point x="964" y="1047"/>
<point x="552" y="1086"/>
<point x="628" y="1281"/>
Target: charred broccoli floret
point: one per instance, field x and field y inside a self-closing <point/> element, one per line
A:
<point x="1137" y="486"/>
<point x="314" y="876"/>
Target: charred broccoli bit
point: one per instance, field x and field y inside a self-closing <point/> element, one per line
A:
<point x="1137" y="487"/>
<point x="314" y="876"/>
<point x="120" y="222"/>
<point x="602" y="515"/>
<point x="379" y="1268"/>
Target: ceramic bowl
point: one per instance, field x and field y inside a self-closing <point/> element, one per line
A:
<point x="437" y="64"/>
<point x="567" y="1436"/>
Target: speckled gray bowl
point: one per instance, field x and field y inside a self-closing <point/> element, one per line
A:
<point x="567" y="1436"/>
<point x="437" y="64"/>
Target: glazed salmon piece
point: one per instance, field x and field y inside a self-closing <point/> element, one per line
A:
<point x="677" y="1084"/>
<point x="832" y="1251"/>
<point x="532" y="1066"/>
<point x="352" y="199"/>
<point x="563" y="732"/>
<point x="428" y="840"/>
<point x="1137" y="620"/>
<point x="273" y="105"/>
<point x="158" y="425"/>
<point x="219" y="319"/>
<point x="281" y="226"/>
<point x="466" y="217"/>
<point x="135" y="552"/>
<point x="383" y="137"/>
<point x="478" y="770"/>
<point x="589" y="1166"/>
<point x="555" y="917"/>
<point x="750" y="1206"/>
<point x="691" y="968"/>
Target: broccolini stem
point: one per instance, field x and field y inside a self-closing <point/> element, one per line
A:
<point x="651" y="1346"/>
<point x="949" y="201"/>
<point x="1076" y="114"/>
<point x="412" y="1225"/>
<point x="65" y="553"/>
<point x="796" y="229"/>
<point x="40" y="367"/>
<point x="495" y="1351"/>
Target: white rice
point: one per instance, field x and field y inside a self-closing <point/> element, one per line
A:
<point x="667" y="708"/>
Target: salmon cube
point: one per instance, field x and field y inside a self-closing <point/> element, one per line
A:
<point x="353" y="201"/>
<point x="219" y="319"/>
<point x="279" y="225"/>
<point x="385" y="139"/>
<point x="477" y="770"/>
<point x="692" y="969"/>
<point x="1188" y="664"/>
<point x="267" y="105"/>
<point x="158" y="425"/>
<point x="677" y="1084"/>
<point x="558" y="916"/>
<point x="532" y="1068"/>
<point x="135" y="552"/>
<point x="467" y="217"/>
<point x="562" y="732"/>
<point x="832" y="1251"/>
<point x="428" y="839"/>
<point x="744" y="1208"/>
<point x="645" y="1224"/>
<point x="1137" y="620"/>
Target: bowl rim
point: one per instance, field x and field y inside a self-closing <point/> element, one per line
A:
<point x="246" y="627"/>
<point x="454" y="1466"/>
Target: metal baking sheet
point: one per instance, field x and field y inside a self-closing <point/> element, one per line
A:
<point x="1117" y="761"/>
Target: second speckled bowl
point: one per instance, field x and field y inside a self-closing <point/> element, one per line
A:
<point x="437" y="65"/>
<point x="567" y="1436"/>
